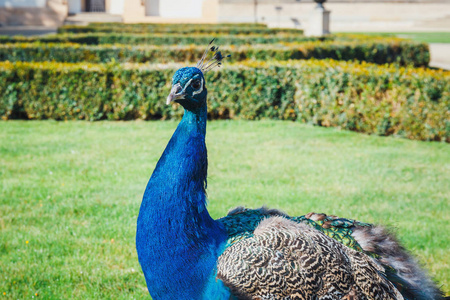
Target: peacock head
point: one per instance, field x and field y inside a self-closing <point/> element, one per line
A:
<point x="188" y="88"/>
<point x="188" y="83"/>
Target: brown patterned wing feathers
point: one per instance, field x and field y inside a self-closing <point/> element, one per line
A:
<point x="289" y="260"/>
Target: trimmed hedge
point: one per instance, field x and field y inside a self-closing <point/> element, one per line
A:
<point x="195" y="39"/>
<point x="403" y="52"/>
<point x="177" y="29"/>
<point x="383" y="100"/>
<point x="175" y="25"/>
<point x="161" y="39"/>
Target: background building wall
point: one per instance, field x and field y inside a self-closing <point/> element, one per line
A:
<point x="346" y="15"/>
<point x="171" y="11"/>
<point x="32" y="12"/>
<point x="23" y="3"/>
<point x="181" y="8"/>
<point x="360" y="15"/>
<point x="116" y="7"/>
<point x="74" y="6"/>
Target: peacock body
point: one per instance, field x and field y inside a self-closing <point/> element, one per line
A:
<point x="254" y="253"/>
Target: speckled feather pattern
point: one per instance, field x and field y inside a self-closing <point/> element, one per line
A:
<point x="271" y="255"/>
<point x="289" y="260"/>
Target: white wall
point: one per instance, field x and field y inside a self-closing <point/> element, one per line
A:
<point x="355" y="17"/>
<point x="152" y="7"/>
<point x="116" y="7"/>
<point x="23" y="3"/>
<point x="74" y="6"/>
<point x="180" y="8"/>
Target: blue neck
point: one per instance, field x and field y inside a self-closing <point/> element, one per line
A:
<point x="177" y="241"/>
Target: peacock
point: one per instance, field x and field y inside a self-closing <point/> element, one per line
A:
<point x="254" y="253"/>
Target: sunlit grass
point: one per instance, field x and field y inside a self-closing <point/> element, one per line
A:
<point x="425" y="37"/>
<point x="70" y="194"/>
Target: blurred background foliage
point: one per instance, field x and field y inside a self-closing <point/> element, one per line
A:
<point x="376" y="84"/>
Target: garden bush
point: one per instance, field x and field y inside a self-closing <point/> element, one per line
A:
<point x="192" y="39"/>
<point x="161" y="39"/>
<point x="177" y="28"/>
<point x="402" y="52"/>
<point x="175" y="25"/>
<point x="383" y="100"/>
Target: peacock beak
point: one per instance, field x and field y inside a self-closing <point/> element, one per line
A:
<point x="175" y="94"/>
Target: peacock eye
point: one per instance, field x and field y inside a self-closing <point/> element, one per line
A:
<point x="196" y="84"/>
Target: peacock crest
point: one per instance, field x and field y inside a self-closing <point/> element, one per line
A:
<point x="215" y="60"/>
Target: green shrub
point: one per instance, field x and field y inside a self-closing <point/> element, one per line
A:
<point x="177" y="28"/>
<point x="192" y="39"/>
<point x="176" y="25"/>
<point x="161" y="39"/>
<point x="385" y="51"/>
<point x="383" y="100"/>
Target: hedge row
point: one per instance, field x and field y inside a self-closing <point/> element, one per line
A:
<point x="182" y="39"/>
<point x="403" y="52"/>
<point x="175" y="25"/>
<point x="178" y="29"/>
<point x="196" y="39"/>
<point x="160" y="39"/>
<point x="383" y="100"/>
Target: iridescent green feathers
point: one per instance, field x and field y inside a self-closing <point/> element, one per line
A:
<point x="242" y="222"/>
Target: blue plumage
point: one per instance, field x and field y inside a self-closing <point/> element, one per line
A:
<point x="178" y="243"/>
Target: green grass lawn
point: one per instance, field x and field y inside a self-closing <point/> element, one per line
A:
<point x="426" y="37"/>
<point x="70" y="194"/>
